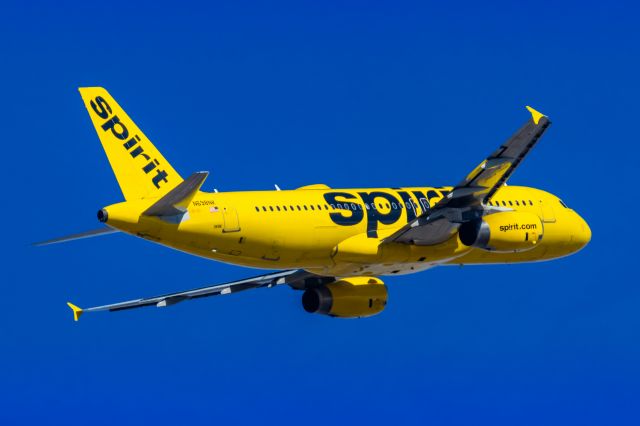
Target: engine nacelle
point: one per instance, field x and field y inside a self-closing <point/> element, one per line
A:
<point x="503" y="232"/>
<point x="353" y="297"/>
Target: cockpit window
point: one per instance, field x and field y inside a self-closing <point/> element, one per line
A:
<point x="563" y="204"/>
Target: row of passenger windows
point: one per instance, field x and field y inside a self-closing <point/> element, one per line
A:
<point x="511" y="203"/>
<point x="355" y="206"/>
<point x="339" y="206"/>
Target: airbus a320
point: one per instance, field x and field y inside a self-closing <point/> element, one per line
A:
<point x="333" y="245"/>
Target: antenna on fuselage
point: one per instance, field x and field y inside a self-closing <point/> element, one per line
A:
<point x="277" y="187"/>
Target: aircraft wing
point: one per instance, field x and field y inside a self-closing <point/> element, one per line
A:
<point x="465" y="202"/>
<point x="295" y="278"/>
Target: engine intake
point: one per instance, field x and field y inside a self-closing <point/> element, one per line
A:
<point x="503" y="232"/>
<point x="353" y="297"/>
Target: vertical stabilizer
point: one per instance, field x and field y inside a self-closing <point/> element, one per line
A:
<point x="141" y="170"/>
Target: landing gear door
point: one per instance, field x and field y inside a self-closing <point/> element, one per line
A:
<point x="231" y="222"/>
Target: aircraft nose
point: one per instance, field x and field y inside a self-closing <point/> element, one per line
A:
<point x="583" y="232"/>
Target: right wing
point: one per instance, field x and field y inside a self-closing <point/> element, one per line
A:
<point x="465" y="202"/>
<point x="294" y="278"/>
<point x="480" y="185"/>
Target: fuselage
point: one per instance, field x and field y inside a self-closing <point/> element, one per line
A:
<point x="339" y="231"/>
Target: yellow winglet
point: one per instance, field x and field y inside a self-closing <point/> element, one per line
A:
<point x="76" y="311"/>
<point x="535" y="114"/>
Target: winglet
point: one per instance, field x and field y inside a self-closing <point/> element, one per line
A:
<point x="535" y="114"/>
<point x="76" y="311"/>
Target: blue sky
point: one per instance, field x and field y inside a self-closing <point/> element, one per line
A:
<point x="359" y="94"/>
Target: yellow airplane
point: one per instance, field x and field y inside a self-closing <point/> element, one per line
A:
<point x="332" y="244"/>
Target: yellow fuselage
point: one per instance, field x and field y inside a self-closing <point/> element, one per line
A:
<point x="338" y="232"/>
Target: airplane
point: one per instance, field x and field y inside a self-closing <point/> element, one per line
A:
<point x="333" y="245"/>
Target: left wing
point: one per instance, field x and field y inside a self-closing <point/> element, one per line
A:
<point x="295" y="278"/>
<point x="465" y="202"/>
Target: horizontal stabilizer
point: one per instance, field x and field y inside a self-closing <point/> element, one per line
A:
<point x="79" y="236"/>
<point x="177" y="200"/>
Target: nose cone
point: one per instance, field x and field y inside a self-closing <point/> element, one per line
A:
<point x="582" y="234"/>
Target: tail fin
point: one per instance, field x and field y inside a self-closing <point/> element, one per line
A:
<point x="141" y="170"/>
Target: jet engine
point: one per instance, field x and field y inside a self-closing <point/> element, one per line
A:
<point x="503" y="232"/>
<point x="352" y="297"/>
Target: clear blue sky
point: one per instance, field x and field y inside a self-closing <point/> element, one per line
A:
<point x="364" y="94"/>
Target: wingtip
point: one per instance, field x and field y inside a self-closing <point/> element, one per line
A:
<point x="76" y="311"/>
<point x="535" y="115"/>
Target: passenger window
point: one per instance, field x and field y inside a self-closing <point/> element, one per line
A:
<point x="530" y="202"/>
<point x="305" y="207"/>
<point x="258" y="210"/>
<point x="353" y="207"/>
<point x="271" y="208"/>
<point x="298" y="207"/>
<point x="524" y="203"/>
<point x="326" y="207"/>
<point x="333" y="206"/>
<point x="510" y="203"/>
<point x="285" y="208"/>
<point x="319" y="207"/>
<point x="264" y="209"/>
<point x="517" y="203"/>
<point x="311" y="207"/>
<point x="504" y="203"/>
<point x="394" y="206"/>
<point x="291" y="207"/>
<point x="278" y="207"/>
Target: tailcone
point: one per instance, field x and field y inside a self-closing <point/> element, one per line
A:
<point x="103" y="215"/>
<point x="126" y="216"/>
